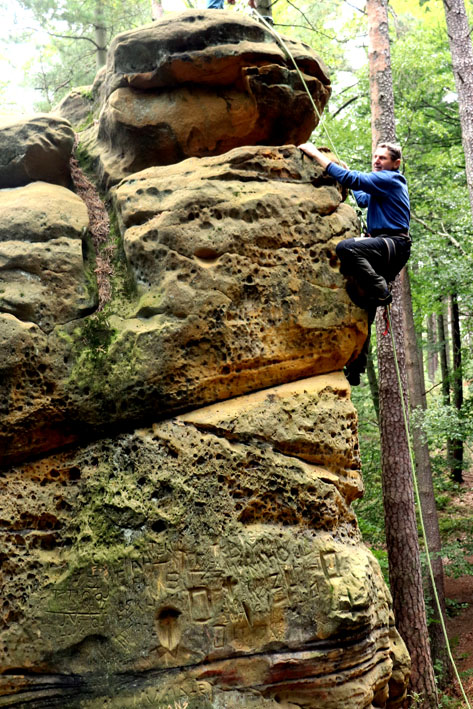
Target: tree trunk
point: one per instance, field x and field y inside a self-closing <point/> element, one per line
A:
<point x="381" y="89"/>
<point x="457" y="443"/>
<point x="156" y="10"/>
<point x="405" y="574"/>
<point x="432" y="352"/>
<point x="417" y="400"/>
<point x="372" y="380"/>
<point x="265" y="8"/>
<point x="100" y="34"/>
<point x="445" y="372"/>
<point x="444" y="369"/>
<point x="459" y="37"/>
<point x="398" y="494"/>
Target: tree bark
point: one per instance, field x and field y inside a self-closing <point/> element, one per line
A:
<point x="100" y="34"/>
<point x="405" y="574"/>
<point x="432" y="353"/>
<point x="398" y="494"/>
<point x="445" y="373"/>
<point x="381" y="90"/>
<point x="156" y="10"/>
<point x="457" y="389"/>
<point x="417" y="400"/>
<point x="444" y="369"/>
<point x="373" y="381"/>
<point x="461" y="49"/>
<point x="265" y="8"/>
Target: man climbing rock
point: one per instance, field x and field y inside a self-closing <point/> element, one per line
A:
<point x="372" y="261"/>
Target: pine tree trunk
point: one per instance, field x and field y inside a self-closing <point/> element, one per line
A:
<point x="459" y="37"/>
<point x="417" y="400"/>
<point x="265" y="8"/>
<point x="100" y="34"/>
<point x="405" y="574"/>
<point x="398" y="495"/>
<point x="381" y="90"/>
<point x="457" y="443"/>
<point x="445" y="373"/>
<point x="156" y="10"/>
<point x="372" y="381"/>
<point x="444" y="369"/>
<point x="432" y="353"/>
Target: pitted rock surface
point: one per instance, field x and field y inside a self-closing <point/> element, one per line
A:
<point x="235" y="288"/>
<point x="43" y="276"/>
<point x="35" y="148"/>
<point x="201" y="84"/>
<point x="211" y="560"/>
<point x="197" y="561"/>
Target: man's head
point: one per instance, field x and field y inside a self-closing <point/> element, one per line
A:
<point x="387" y="156"/>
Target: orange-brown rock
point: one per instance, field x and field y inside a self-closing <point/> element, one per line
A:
<point x="235" y="287"/>
<point x="201" y="84"/>
<point x="211" y="560"/>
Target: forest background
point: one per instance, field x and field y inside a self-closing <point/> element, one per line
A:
<point x="53" y="45"/>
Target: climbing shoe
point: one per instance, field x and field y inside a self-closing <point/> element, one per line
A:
<point x="354" y="378"/>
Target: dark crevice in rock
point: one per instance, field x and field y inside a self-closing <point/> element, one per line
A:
<point x="39" y="691"/>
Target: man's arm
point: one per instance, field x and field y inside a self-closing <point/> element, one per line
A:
<point x="377" y="183"/>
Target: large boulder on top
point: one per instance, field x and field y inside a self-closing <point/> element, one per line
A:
<point x="35" y="148"/>
<point x="199" y="84"/>
<point x="232" y="285"/>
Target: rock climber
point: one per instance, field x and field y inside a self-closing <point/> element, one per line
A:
<point x="372" y="261"/>
<point x="218" y="4"/>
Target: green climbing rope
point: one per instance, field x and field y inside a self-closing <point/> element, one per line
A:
<point x="419" y="506"/>
<point x="280" y="40"/>
<point x="404" y="413"/>
<point x="322" y="123"/>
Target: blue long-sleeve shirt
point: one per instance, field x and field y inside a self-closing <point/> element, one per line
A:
<point x="384" y="193"/>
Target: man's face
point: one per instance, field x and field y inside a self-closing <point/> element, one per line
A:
<point x="383" y="161"/>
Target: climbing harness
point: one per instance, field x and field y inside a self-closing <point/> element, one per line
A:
<point x="387" y="318"/>
<point x="419" y="506"/>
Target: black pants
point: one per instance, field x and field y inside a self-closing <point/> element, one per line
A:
<point x="370" y="264"/>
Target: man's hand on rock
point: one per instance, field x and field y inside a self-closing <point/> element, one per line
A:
<point x="313" y="152"/>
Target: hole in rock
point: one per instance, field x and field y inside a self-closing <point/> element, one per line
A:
<point x="206" y="253"/>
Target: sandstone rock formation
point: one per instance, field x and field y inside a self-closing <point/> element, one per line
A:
<point x="233" y="286"/>
<point x="201" y="84"/>
<point x="179" y="467"/>
<point x="43" y="276"/>
<point x="211" y="559"/>
<point x="35" y="148"/>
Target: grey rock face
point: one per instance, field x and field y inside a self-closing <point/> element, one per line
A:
<point x="35" y="148"/>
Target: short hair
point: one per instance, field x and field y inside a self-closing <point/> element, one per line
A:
<point x="394" y="150"/>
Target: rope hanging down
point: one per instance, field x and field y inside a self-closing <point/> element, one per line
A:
<point x="279" y="39"/>
<point x="419" y="506"/>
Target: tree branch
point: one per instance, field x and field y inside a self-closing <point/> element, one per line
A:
<point x="71" y="36"/>
<point x="314" y="29"/>
<point x="347" y="103"/>
<point x="363" y="12"/>
<point x="444" y="233"/>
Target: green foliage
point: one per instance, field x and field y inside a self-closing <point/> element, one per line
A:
<point x="66" y="40"/>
